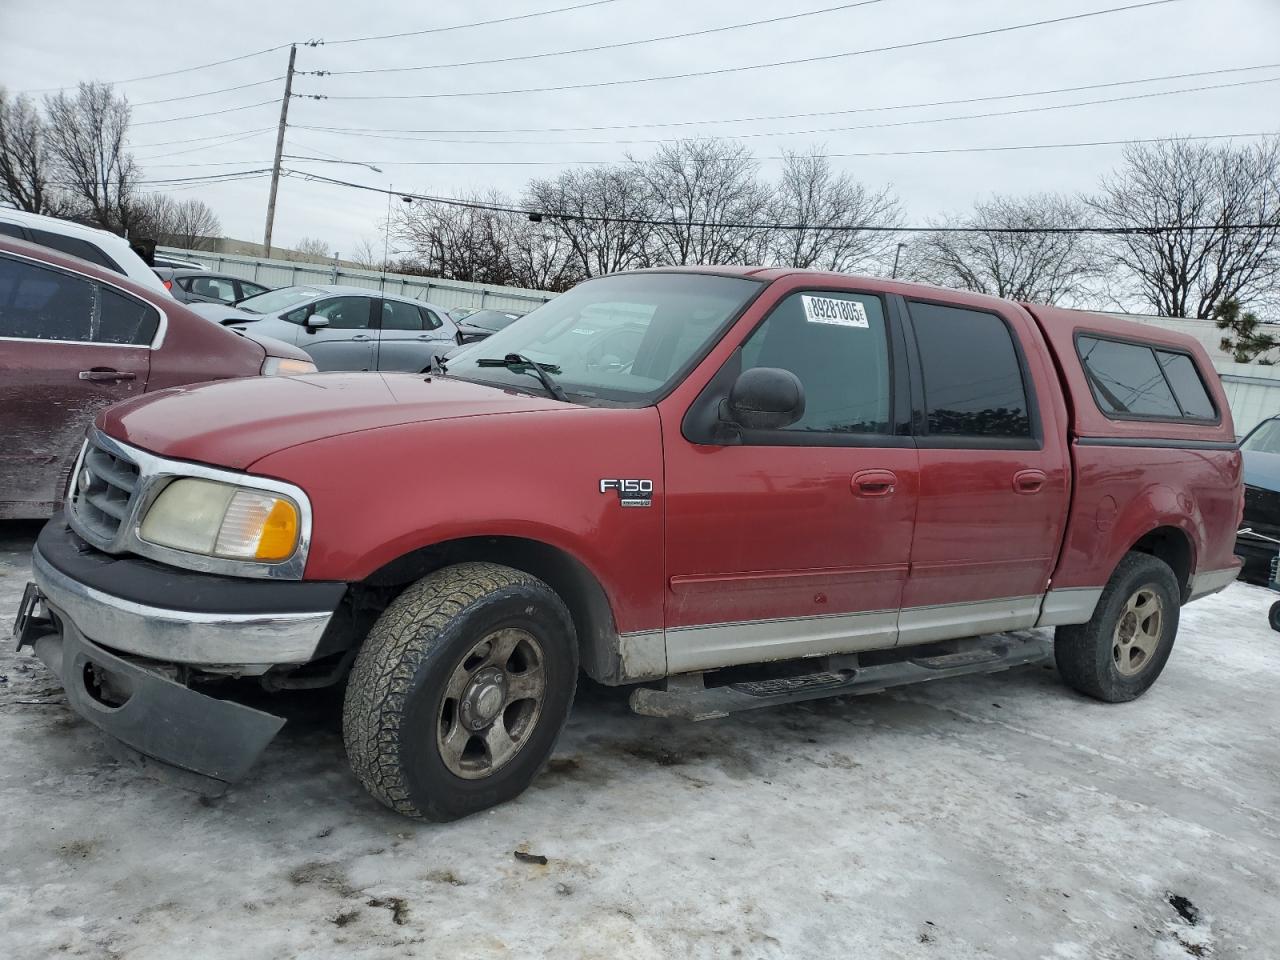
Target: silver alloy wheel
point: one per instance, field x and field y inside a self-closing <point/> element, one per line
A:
<point x="1138" y="632"/>
<point x="492" y="703"/>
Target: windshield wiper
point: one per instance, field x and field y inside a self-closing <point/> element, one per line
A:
<point x="519" y="363"/>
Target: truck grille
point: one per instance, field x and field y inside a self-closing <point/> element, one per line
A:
<point x="102" y="494"/>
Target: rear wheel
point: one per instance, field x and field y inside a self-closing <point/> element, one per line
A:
<point x="1121" y="651"/>
<point x="457" y="698"/>
<point x="1274" y="615"/>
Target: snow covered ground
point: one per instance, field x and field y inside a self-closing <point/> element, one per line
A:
<point x="991" y="817"/>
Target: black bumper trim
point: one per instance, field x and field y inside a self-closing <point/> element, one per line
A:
<point x="162" y="720"/>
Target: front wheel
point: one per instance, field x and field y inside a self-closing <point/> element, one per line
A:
<point x="457" y="698"/>
<point x="1121" y="651"/>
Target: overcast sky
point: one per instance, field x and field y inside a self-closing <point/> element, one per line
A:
<point x="46" y="44"/>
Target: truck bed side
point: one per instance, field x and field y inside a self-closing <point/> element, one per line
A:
<point x="1161" y="486"/>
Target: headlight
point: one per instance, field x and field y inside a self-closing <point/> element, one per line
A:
<point x="284" y="367"/>
<point x="223" y="520"/>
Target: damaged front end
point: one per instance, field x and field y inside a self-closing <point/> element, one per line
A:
<point x="144" y="670"/>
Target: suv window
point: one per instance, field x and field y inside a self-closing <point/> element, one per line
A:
<point x="429" y="320"/>
<point x="248" y="289"/>
<point x="123" y="319"/>
<point x="973" y="385"/>
<point x="37" y="303"/>
<point x="76" y="247"/>
<point x="397" y="315"/>
<point x="345" y="313"/>
<point x="836" y="344"/>
<point x="11" y="230"/>
<point x="1137" y="380"/>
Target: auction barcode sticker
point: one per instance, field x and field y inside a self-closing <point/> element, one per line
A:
<point x="842" y="313"/>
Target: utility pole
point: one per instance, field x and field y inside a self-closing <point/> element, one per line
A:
<point x="275" y="167"/>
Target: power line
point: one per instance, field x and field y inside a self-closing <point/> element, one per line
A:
<point x="171" y="73"/>
<point x="837" y="228"/>
<point x="830" y="156"/>
<point x="462" y="26"/>
<point x="212" y="136"/>
<point x="226" y="143"/>
<point x="600" y="47"/>
<point x="211" y="113"/>
<point x="317" y="43"/>
<point x="207" y="93"/>
<point x="372" y="131"/>
<point x="749" y="67"/>
<point x="865" y="126"/>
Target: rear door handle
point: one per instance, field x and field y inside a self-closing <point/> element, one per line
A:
<point x="360" y="336"/>
<point x="98" y="374"/>
<point x="1029" y="481"/>
<point x="874" y="483"/>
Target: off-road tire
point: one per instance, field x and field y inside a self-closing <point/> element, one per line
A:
<point x="1084" y="652"/>
<point x="397" y="685"/>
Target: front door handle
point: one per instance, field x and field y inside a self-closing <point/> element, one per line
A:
<point x="105" y="374"/>
<point x="425" y="337"/>
<point x="1029" y="481"/>
<point x="874" y="483"/>
<point x="360" y="336"/>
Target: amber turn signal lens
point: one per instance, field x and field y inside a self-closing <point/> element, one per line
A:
<point x="279" y="532"/>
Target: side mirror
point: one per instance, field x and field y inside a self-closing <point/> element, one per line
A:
<point x="765" y="398"/>
<point x="315" y="323"/>
<point x="459" y="337"/>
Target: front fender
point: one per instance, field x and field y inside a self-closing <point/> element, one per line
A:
<point x="380" y="494"/>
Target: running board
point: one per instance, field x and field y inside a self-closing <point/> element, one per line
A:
<point x="686" y="698"/>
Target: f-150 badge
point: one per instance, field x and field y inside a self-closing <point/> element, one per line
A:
<point x="631" y="493"/>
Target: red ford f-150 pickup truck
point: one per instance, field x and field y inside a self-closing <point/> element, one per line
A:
<point x="729" y="487"/>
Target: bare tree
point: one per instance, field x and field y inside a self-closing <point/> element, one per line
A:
<point x="458" y="242"/>
<point x="708" y="194"/>
<point x="600" y="213"/>
<point x="1233" y="191"/>
<point x="1039" y="265"/>
<point x="189" y="224"/>
<point x="85" y="134"/>
<point x="541" y="257"/>
<point x="313" y="248"/>
<point x="823" y="204"/>
<point x="24" y="161"/>
<point x="367" y="257"/>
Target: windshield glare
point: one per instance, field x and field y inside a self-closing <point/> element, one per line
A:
<point x="1265" y="439"/>
<point x="273" y="301"/>
<point x="624" y="337"/>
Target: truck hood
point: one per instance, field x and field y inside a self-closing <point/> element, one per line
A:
<point x="234" y="423"/>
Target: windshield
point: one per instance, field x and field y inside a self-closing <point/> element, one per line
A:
<point x="492" y="320"/>
<point x="623" y="338"/>
<point x="273" y="301"/>
<point x="1265" y="438"/>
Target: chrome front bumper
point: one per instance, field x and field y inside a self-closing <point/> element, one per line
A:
<point x="182" y="636"/>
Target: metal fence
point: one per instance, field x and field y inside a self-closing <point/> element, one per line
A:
<point x="443" y="293"/>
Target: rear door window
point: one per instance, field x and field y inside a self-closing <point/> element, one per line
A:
<point x="221" y="289"/>
<point x="37" y="303"/>
<point x="397" y="315"/>
<point x="973" y="382"/>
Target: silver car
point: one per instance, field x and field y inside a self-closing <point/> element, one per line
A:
<point x="345" y="328"/>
